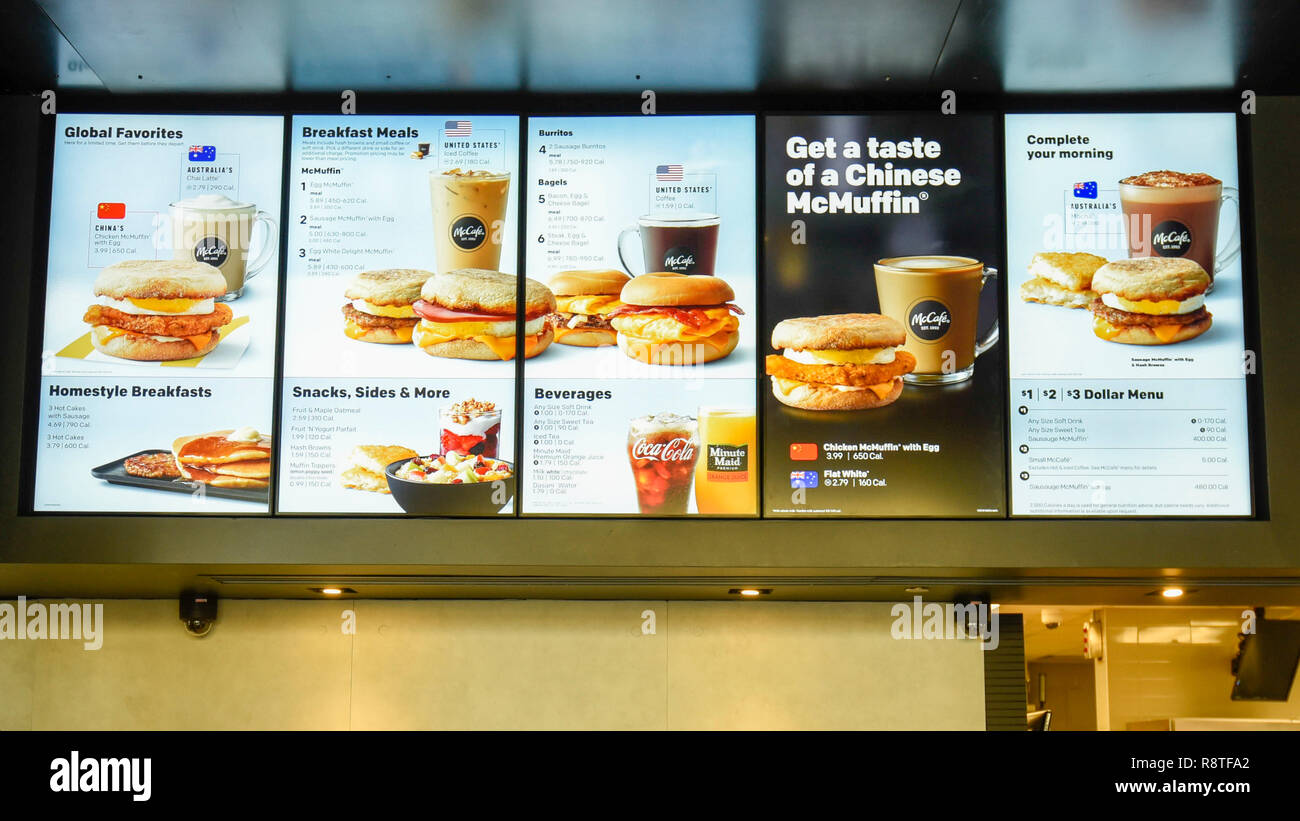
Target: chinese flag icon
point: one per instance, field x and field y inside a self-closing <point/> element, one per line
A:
<point x="803" y="452"/>
<point x="112" y="211"/>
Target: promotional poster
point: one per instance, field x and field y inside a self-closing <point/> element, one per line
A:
<point x="642" y="230"/>
<point x="400" y="316"/>
<point x="158" y="355"/>
<point x="883" y="387"/>
<point x="1127" y="341"/>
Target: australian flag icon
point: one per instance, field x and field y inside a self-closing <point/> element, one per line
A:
<point x="1085" y="190"/>
<point x="803" y="478"/>
<point x="203" y="153"/>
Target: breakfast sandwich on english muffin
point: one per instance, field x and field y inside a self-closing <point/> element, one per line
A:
<point x="584" y="301"/>
<point x="157" y="310"/>
<point x="469" y="313"/>
<point x="676" y="319"/>
<point x="1150" y="301"/>
<point x="381" y="305"/>
<point x="839" y="362"/>
<point x="1061" y="278"/>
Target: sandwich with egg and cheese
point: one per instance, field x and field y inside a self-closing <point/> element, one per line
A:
<point x="381" y="305"/>
<point x="1150" y="301"/>
<point x="469" y="313"/>
<point x="584" y="301"/>
<point x="839" y="362"/>
<point x="676" y="319"/>
<point x="157" y="310"/>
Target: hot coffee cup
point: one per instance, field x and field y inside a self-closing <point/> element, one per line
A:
<point x="1171" y="214"/>
<point x="215" y="229"/>
<point x="685" y="243"/>
<point x="937" y="299"/>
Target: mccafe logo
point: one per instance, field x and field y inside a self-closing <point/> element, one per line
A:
<point x="212" y="250"/>
<point x="929" y="320"/>
<point x="674" y="450"/>
<point x="1171" y="239"/>
<point x="468" y="232"/>
<point x="680" y="260"/>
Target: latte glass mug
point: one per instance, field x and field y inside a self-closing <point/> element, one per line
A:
<point x="1180" y="222"/>
<point x="937" y="299"/>
<point x="215" y="229"/>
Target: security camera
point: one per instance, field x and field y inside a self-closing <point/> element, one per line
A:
<point x="198" y="613"/>
<point x="1052" y="619"/>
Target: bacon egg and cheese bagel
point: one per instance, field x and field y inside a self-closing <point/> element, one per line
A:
<point x="584" y="300"/>
<point x="1150" y="301"/>
<point x="839" y="362"/>
<point x="469" y="313"/>
<point x="676" y="319"/>
<point x="157" y="310"/>
<point x="381" y="305"/>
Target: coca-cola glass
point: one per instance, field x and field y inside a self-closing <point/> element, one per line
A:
<point x="662" y="449"/>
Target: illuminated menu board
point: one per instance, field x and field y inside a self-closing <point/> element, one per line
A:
<point x="642" y="231"/>
<point x="158" y="355"/>
<point x="884" y="388"/>
<point x="1128" y="355"/>
<point x="400" y="316"/>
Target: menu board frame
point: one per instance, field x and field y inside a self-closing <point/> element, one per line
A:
<point x="837" y="542"/>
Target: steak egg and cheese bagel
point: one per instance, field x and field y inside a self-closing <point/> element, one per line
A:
<point x="381" y="305"/>
<point x="1150" y="301"/>
<point x="676" y="319"/>
<point x="584" y="300"/>
<point x="157" y="310"/>
<point x="839" y="362"/>
<point x="469" y="313"/>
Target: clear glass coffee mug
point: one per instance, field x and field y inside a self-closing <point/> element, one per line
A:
<point x="937" y="299"/>
<point x="683" y="243"/>
<point x="215" y="229"/>
<point x="1181" y="221"/>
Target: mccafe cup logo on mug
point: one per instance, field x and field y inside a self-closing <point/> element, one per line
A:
<point x="1171" y="239"/>
<point x="680" y="260"/>
<point x="929" y="319"/>
<point x="937" y="299"/>
<point x="212" y="250"/>
<point x="468" y="232"/>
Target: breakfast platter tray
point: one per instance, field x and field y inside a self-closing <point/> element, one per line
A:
<point x="115" y="473"/>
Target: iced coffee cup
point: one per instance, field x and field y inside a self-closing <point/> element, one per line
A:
<point x="469" y="217"/>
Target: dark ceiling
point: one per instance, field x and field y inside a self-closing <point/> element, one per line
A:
<point x="987" y="46"/>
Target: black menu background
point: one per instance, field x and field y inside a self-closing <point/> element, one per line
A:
<point x="832" y="273"/>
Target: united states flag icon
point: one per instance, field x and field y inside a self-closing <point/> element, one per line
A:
<point x="668" y="173"/>
<point x="457" y="128"/>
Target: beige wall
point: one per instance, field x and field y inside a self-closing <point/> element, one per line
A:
<point x="480" y="664"/>
<point x="1174" y="663"/>
<point x="1071" y="693"/>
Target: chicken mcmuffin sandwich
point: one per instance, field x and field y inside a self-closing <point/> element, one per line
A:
<point x="381" y="305"/>
<point x="584" y="300"/>
<point x="157" y="310"/>
<point x="676" y="319"/>
<point x="469" y="313"/>
<point x="839" y="362"/>
<point x="1150" y="301"/>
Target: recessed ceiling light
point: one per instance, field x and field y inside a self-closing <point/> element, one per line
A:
<point x="916" y="589"/>
<point x="1171" y="592"/>
<point x="750" y="592"/>
<point x="331" y="591"/>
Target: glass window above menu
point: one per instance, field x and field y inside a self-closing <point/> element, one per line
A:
<point x="400" y="316"/>
<point x="158" y="357"/>
<point x="642" y="231"/>
<point x="1127" y="324"/>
